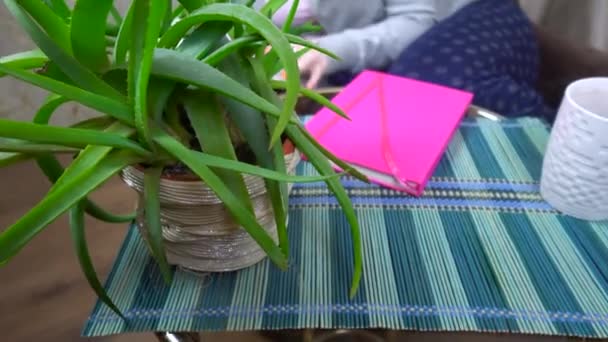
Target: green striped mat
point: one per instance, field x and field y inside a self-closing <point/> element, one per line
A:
<point x="480" y="251"/>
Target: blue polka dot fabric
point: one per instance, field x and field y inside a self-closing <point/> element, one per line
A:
<point x="489" y="48"/>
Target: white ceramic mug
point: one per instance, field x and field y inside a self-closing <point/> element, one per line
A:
<point x="575" y="169"/>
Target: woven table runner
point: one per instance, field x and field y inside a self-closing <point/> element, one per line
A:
<point x="480" y="251"/>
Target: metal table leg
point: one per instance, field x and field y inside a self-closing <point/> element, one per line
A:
<point x="177" y="337"/>
<point x="305" y="336"/>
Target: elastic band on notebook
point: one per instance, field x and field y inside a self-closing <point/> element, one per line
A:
<point x="387" y="151"/>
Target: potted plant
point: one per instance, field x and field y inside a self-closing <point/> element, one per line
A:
<point x="180" y="92"/>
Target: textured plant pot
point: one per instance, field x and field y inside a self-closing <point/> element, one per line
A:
<point x="198" y="230"/>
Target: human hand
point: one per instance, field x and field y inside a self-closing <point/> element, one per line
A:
<point x="314" y="64"/>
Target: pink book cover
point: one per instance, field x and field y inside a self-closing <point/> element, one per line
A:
<point x="399" y="128"/>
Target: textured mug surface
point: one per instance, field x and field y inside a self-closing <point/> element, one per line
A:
<point x="575" y="169"/>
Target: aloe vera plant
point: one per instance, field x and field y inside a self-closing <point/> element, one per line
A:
<point x="160" y="78"/>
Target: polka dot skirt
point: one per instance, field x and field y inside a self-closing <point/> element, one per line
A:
<point x="488" y="48"/>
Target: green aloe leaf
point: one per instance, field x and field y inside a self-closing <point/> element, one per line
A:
<point x="337" y="161"/>
<point x="153" y="222"/>
<point x="209" y="124"/>
<point x="61" y="57"/>
<point x="7" y="159"/>
<point x="74" y="137"/>
<point x="308" y="27"/>
<point x="283" y="194"/>
<point x="89" y="157"/>
<point x="51" y="70"/>
<point x="173" y="120"/>
<point x="116" y="109"/>
<point x="240" y="213"/>
<point x="238" y="31"/>
<point x="320" y="162"/>
<point x="307" y="43"/>
<point x="92" y="155"/>
<point x="272" y="64"/>
<point x="97" y="123"/>
<point x="147" y="23"/>
<point x="116" y="15"/>
<point x="77" y="228"/>
<point x="221" y="163"/>
<point x="13" y="239"/>
<point x="25" y="60"/>
<point x="266" y="28"/>
<point x="88" y="32"/>
<point x="118" y="79"/>
<point x="53" y="170"/>
<point x="52" y="103"/>
<point x="11" y="145"/>
<point x="112" y="29"/>
<point x="178" y="11"/>
<point x="280" y="196"/>
<point x="168" y="19"/>
<point x="199" y="43"/>
<point x="324" y="167"/>
<point x="271" y="7"/>
<point x="252" y="125"/>
<point x="110" y="41"/>
<point x="313" y="95"/>
<point x="50" y="22"/>
<point x="101" y="214"/>
<point x="182" y="68"/>
<point x="291" y="15"/>
<point x="340" y="163"/>
<point x="191" y="5"/>
<point x="159" y="94"/>
<point x="123" y="39"/>
<point x="228" y="164"/>
<point x="60" y="8"/>
<point x="228" y="49"/>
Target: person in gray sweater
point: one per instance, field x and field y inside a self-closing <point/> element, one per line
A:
<point x="484" y="46"/>
<point x="365" y="33"/>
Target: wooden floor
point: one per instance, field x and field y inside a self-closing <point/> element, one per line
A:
<point x="44" y="297"/>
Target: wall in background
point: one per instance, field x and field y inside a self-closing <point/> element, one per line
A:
<point x="18" y="100"/>
<point x="583" y="21"/>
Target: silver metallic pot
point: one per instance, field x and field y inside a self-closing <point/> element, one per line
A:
<point x="198" y="230"/>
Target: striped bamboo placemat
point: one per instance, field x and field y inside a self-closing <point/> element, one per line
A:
<point x="480" y="251"/>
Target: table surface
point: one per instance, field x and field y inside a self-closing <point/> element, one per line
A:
<point x="480" y="251"/>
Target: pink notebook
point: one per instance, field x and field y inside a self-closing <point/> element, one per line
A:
<point x="399" y="128"/>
